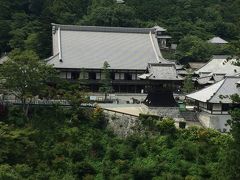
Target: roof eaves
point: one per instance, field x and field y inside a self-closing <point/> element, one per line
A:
<point x="51" y="57"/>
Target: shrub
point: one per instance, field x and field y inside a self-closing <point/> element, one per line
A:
<point x="16" y="117"/>
<point x="98" y="118"/>
<point x="182" y="125"/>
<point x="149" y="120"/>
<point x="166" y="126"/>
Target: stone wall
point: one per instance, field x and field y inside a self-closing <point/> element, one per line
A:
<point x="122" y="125"/>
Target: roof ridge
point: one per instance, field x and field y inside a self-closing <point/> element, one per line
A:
<point x="154" y="48"/>
<point x="104" y="28"/>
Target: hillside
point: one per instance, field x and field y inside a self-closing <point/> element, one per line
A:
<point x="59" y="143"/>
<point x="26" y="24"/>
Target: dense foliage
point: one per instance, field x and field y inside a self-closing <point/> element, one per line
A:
<point x="74" y="143"/>
<point x="63" y="143"/>
<point x="26" y="24"/>
<point x="25" y="76"/>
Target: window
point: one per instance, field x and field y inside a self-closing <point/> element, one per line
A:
<point x="63" y="75"/>
<point x="83" y="75"/>
<point x="122" y="76"/>
<point x="159" y="33"/>
<point x="74" y="75"/>
<point x="98" y="76"/>
<point x="134" y="76"/>
<point x="69" y="75"/>
<point x="119" y="76"/>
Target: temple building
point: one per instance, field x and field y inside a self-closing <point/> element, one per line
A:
<point x="162" y="37"/>
<point x="216" y="69"/>
<point x="214" y="102"/>
<point x="217" y="41"/>
<point x="132" y="53"/>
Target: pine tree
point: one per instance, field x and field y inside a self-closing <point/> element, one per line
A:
<point x="106" y="86"/>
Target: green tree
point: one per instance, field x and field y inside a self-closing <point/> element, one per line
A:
<point x="84" y="85"/>
<point x="116" y="15"/>
<point x="106" y="86"/>
<point x="67" y="11"/>
<point x="230" y="162"/>
<point x="192" y="48"/>
<point x="25" y="76"/>
<point x="188" y="85"/>
<point x="229" y="165"/>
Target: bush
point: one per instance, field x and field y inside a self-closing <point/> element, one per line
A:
<point x="16" y="117"/>
<point x="98" y="118"/>
<point x="149" y="120"/>
<point x="166" y="126"/>
<point x="182" y="125"/>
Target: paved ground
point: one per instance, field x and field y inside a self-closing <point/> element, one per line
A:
<point x="123" y="98"/>
<point x="134" y="109"/>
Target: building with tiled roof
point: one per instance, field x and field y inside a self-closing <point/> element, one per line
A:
<point x="128" y="51"/>
<point x="214" y="102"/>
<point x="217" y="40"/>
<point x="216" y="69"/>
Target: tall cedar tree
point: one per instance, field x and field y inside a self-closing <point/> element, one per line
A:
<point x="106" y="86"/>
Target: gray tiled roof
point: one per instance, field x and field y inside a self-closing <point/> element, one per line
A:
<point x="217" y="40"/>
<point x="220" y="65"/>
<point x="158" y="28"/>
<point x="204" y="80"/>
<point x="218" y="92"/>
<point x="161" y="72"/>
<point x="88" y="47"/>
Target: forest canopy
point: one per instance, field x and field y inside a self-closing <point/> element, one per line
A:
<point x="26" y="24"/>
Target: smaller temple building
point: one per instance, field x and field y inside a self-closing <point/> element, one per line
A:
<point x="217" y="41"/>
<point x="213" y="103"/>
<point x="215" y="70"/>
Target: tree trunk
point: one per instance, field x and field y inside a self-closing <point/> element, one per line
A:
<point x="25" y="107"/>
<point x="105" y="98"/>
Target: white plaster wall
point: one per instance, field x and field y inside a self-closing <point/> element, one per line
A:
<point x="217" y="107"/>
<point x="214" y="121"/>
<point x="98" y="75"/>
<point x="69" y="75"/>
<point x="203" y="105"/>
